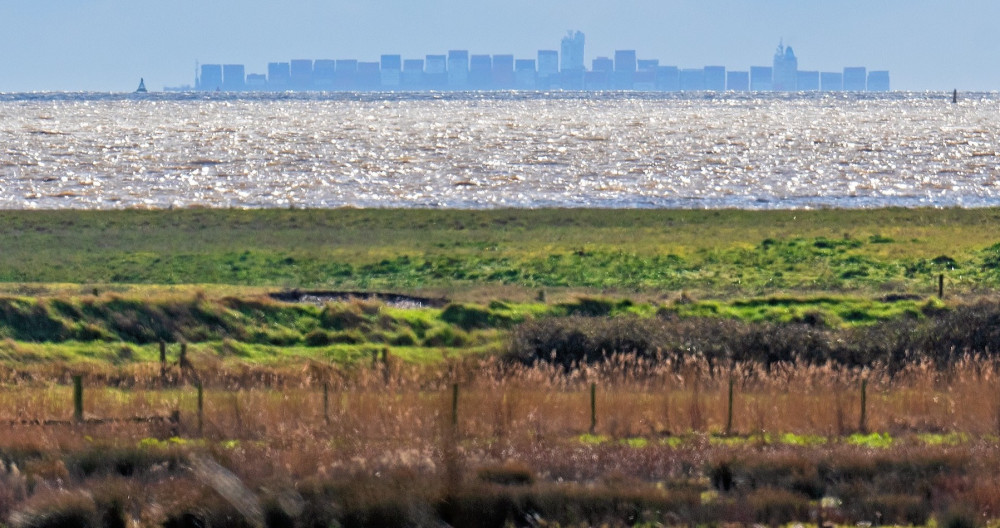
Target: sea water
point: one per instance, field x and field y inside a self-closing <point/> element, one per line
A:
<point x="490" y="150"/>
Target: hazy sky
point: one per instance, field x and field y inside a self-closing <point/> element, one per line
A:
<point x="106" y="45"/>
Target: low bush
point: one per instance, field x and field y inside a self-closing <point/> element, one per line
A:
<point x="317" y="338"/>
<point x="508" y="474"/>
<point x="337" y="316"/>
<point x="57" y="509"/>
<point x="446" y="337"/>
<point x="122" y="461"/>
<point x="943" y="338"/>
<point x="894" y="509"/>
<point x="405" y="338"/>
<point x="776" y="507"/>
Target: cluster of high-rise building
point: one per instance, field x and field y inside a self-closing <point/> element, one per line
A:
<point x="550" y="70"/>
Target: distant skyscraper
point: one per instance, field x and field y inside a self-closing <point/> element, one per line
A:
<point x="738" y="81"/>
<point x="808" y="81"/>
<point x="668" y="78"/>
<point x="503" y="72"/>
<point x="279" y="76"/>
<point x="413" y="74"/>
<point x="480" y="72"/>
<point x="233" y="77"/>
<point x="436" y="72"/>
<point x="572" y="71"/>
<point x="525" y="74"/>
<point x="647" y="64"/>
<point x="645" y="75"/>
<point x="831" y="81"/>
<point x="602" y="64"/>
<point x="211" y="77"/>
<point x="548" y="69"/>
<point x="625" y="68"/>
<point x="855" y="79"/>
<point x="572" y="51"/>
<point x="785" y="73"/>
<point x="346" y="76"/>
<point x="369" y="75"/>
<point x="458" y="69"/>
<point x="761" y="79"/>
<point x="391" y="71"/>
<point x="878" y="81"/>
<point x="324" y="72"/>
<point x="599" y="76"/>
<point x="256" y="82"/>
<point x="302" y="74"/>
<point x="715" y="78"/>
<point x="692" y="80"/>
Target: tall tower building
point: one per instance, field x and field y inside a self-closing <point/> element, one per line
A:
<point x="548" y="69"/>
<point x="390" y="71"/>
<point x="233" y="77"/>
<point x="878" y="81"/>
<point x="572" y="51"/>
<point x="302" y="74"/>
<point x="785" y="71"/>
<point x="324" y="72"/>
<point x="625" y="68"/>
<point x="436" y="72"/>
<point x="761" y="79"/>
<point x="855" y="79"/>
<point x="715" y="78"/>
<point x="458" y="69"/>
<point x="211" y="77"/>
<point x="279" y="76"/>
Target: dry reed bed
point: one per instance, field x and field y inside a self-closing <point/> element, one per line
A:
<point x="383" y="448"/>
<point x="634" y="397"/>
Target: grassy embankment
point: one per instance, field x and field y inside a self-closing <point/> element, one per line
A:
<point x="688" y="292"/>
<point x="110" y="284"/>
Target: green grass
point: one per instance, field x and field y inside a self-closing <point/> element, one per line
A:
<point x="120" y="329"/>
<point x="727" y="253"/>
<point x="105" y="286"/>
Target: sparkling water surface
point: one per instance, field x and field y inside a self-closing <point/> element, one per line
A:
<point x="510" y="149"/>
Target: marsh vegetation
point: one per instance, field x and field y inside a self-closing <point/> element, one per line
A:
<point x="610" y="367"/>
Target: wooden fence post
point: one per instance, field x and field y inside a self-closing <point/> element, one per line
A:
<point x="163" y="361"/>
<point x="454" y="405"/>
<point x="863" y="422"/>
<point x="729" y="413"/>
<point x="77" y="398"/>
<point x="386" y="373"/>
<point x="326" y="402"/>
<point x="175" y="422"/>
<point x="941" y="286"/>
<point x="201" y="407"/>
<point x="593" y="407"/>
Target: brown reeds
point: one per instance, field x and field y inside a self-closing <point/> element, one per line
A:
<point x="747" y="443"/>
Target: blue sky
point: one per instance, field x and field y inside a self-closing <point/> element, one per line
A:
<point x="106" y="45"/>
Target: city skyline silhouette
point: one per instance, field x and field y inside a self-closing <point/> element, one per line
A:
<point x="107" y="45"/>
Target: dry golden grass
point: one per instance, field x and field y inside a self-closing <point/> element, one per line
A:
<point x="384" y="438"/>
<point x="634" y="397"/>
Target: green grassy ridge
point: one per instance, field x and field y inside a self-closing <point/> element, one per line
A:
<point x="117" y="330"/>
<point x="199" y="319"/>
<point x="732" y="252"/>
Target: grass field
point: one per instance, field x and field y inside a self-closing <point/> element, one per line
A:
<point x="746" y="367"/>
<point x="716" y="253"/>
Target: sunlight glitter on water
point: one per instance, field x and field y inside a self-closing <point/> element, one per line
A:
<point x="90" y="151"/>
